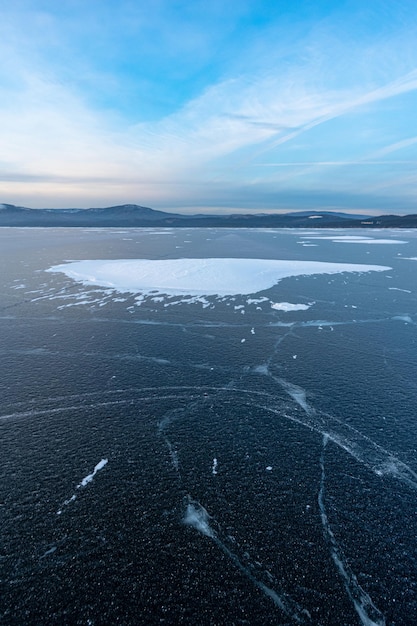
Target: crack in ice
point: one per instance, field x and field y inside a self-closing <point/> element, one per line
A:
<point x="365" y="608"/>
<point x="198" y="518"/>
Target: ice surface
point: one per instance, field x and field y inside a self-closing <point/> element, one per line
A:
<point x="198" y="276"/>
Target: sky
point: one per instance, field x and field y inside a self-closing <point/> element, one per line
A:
<point x="195" y="106"/>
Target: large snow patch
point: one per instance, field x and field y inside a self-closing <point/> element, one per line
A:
<point x="220" y="277"/>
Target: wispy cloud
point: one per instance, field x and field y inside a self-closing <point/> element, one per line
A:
<point x="394" y="147"/>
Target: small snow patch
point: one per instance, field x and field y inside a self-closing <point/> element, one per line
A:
<point x="288" y="306"/>
<point x="90" y="477"/>
<point x="214" y="468"/>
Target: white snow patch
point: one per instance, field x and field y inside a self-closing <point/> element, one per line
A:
<point x="353" y="239"/>
<point x="384" y="241"/>
<point x="333" y="237"/>
<point x="90" y="477"/>
<point x="197" y="517"/>
<point x="287" y="306"/>
<point x="398" y="289"/>
<point x="185" y="300"/>
<point x="256" y="300"/>
<point x="84" y="483"/>
<point x="403" y="318"/>
<point x="198" y="277"/>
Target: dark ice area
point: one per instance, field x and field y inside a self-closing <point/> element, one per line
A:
<point x="212" y="462"/>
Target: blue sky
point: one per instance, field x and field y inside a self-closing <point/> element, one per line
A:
<point x="198" y="106"/>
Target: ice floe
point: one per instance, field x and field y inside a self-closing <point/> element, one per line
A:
<point x="198" y="277"/>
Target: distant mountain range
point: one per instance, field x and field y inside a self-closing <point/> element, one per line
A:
<point x="130" y="215"/>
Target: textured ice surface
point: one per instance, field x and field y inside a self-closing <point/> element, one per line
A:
<point x="198" y="276"/>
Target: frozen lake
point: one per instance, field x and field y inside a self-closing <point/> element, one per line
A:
<point x="208" y="426"/>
